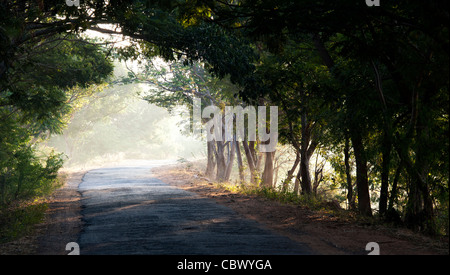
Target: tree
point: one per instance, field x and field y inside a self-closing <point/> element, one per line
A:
<point x="288" y="79"/>
<point x="36" y="93"/>
<point x="398" y="54"/>
<point x="180" y="84"/>
<point x="383" y="69"/>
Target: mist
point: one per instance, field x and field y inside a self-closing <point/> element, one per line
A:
<point x="116" y="125"/>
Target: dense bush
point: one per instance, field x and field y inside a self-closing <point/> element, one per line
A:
<point x="25" y="176"/>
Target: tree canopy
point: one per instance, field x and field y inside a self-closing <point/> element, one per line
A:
<point x="368" y="82"/>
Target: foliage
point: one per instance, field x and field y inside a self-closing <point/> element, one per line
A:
<point x="16" y="222"/>
<point x="312" y="202"/>
<point x="376" y="78"/>
<point x="388" y="83"/>
<point x="39" y="80"/>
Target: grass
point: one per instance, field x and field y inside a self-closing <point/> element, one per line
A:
<point x="313" y="202"/>
<point x="19" y="220"/>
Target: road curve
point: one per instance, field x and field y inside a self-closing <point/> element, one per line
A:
<point x="127" y="211"/>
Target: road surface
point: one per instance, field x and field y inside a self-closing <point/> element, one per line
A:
<point x="127" y="211"/>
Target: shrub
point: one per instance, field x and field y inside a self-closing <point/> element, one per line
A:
<point x="24" y="176"/>
<point x="18" y="220"/>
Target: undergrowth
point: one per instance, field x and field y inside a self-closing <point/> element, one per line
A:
<point x="18" y="221"/>
<point x="18" y="218"/>
<point x="312" y="201"/>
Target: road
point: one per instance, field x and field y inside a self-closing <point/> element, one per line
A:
<point x="127" y="211"/>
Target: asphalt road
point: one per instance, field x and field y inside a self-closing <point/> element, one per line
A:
<point x="127" y="211"/>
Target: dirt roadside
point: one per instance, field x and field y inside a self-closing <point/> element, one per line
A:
<point x="324" y="233"/>
<point x="63" y="218"/>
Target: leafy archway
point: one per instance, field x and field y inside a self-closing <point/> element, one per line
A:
<point x="382" y="71"/>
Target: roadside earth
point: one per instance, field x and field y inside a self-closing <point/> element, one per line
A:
<point x="324" y="233"/>
<point x="63" y="222"/>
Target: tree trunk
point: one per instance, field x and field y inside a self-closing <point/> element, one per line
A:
<point x="423" y="167"/>
<point x="419" y="211"/>
<point x="419" y="208"/>
<point x="251" y="146"/>
<point x="221" y="162"/>
<point x="318" y="175"/>
<point x="361" y="162"/>
<point x="211" y="164"/>
<point x="350" y="199"/>
<point x="393" y="197"/>
<point x="307" y="149"/>
<point x="267" y="178"/>
<point x="251" y="162"/>
<point x="305" y="174"/>
<point x="230" y="161"/>
<point x="385" y="174"/>
<point x="21" y="170"/>
<point x="362" y="183"/>
<point x="290" y="174"/>
<point x="297" y="184"/>
<point x="240" y="163"/>
<point x="2" y="189"/>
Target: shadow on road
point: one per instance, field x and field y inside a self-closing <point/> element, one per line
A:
<point x="127" y="211"/>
